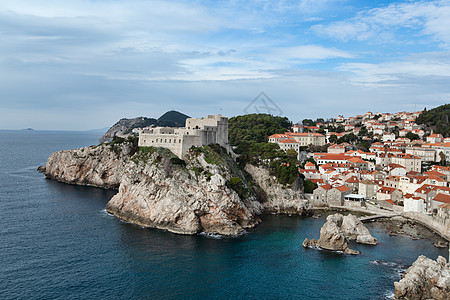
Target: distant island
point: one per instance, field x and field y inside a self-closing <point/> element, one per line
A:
<point x="28" y="129"/>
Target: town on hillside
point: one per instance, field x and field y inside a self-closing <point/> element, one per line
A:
<point x="379" y="160"/>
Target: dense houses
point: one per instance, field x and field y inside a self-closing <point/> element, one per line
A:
<point x="402" y="166"/>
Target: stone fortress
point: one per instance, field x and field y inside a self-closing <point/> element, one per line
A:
<point x="212" y="129"/>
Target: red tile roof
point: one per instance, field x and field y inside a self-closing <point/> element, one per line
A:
<point x="342" y="188"/>
<point x="442" y="198"/>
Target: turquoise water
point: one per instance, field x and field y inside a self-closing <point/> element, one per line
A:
<point x="57" y="242"/>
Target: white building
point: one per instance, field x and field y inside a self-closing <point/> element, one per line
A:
<point x="415" y="204"/>
<point x="198" y="132"/>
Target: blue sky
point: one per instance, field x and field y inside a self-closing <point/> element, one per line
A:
<point x="76" y="65"/>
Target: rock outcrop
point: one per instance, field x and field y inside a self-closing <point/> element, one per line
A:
<point x="354" y="229"/>
<point x="331" y="236"/>
<point x="279" y="199"/>
<point x="125" y="126"/>
<point x="425" y="279"/>
<point x="336" y="232"/>
<point x="158" y="190"/>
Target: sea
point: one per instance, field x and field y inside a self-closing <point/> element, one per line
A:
<point x="58" y="242"/>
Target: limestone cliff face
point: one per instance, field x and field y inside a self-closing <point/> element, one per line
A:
<point x="279" y="199"/>
<point x="425" y="279"/>
<point x="100" y="166"/>
<point x="158" y="190"/>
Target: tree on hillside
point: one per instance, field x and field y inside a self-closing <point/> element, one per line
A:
<point x="333" y="139"/>
<point x="412" y="136"/>
<point x="308" y="122"/>
<point x="292" y="153"/>
<point x="255" y="128"/>
<point x="436" y="119"/>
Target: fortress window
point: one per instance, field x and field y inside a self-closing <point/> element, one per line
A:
<point x="165" y="140"/>
<point x="170" y="140"/>
<point x="179" y="141"/>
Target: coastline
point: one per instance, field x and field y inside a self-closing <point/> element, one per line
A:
<point x="429" y="223"/>
<point x="423" y="220"/>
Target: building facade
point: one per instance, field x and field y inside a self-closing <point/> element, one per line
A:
<point x="212" y="129"/>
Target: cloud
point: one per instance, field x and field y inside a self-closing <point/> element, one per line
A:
<point x="412" y="70"/>
<point x="402" y="21"/>
<point x="311" y="52"/>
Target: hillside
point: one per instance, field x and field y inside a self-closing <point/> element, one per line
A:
<point x="172" y="119"/>
<point x="124" y="126"/>
<point x="436" y="119"/>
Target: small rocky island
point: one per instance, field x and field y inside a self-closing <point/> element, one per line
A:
<point x="337" y="231"/>
<point x="425" y="279"/>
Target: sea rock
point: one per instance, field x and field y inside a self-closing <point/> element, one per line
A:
<point x="425" y="279"/>
<point x="331" y="236"/>
<point x="156" y="189"/>
<point x="279" y="199"/>
<point x="354" y="229"/>
<point x="41" y="169"/>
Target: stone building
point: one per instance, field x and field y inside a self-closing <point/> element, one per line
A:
<point x="212" y="129"/>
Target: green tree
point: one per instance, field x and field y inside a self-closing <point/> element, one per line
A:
<point x="308" y="122"/>
<point x="412" y="136"/>
<point x="333" y="139"/>
<point x="291" y="153"/>
<point x="255" y="128"/>
<point x="309" y="186"/>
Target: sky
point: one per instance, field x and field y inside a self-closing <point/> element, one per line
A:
<point x="84" y="64"/>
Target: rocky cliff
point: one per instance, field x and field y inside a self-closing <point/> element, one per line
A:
<point x="425" y="279"/>
<point x="125" y="126"/>
<point x="279" y="198"/>
<point x="206" y="192"/>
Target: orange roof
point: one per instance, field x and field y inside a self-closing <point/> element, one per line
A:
<point x="309" y="164"/>
<point x="357" y="160"/>
<point x="336" y="146"/>
<point x="435" y="173"/>
<point x="352" y="179"/>
<point x="442" y="198"/>
<point x="278" y="136"/>
<point x="289" y="141"/>
<point x="386" y="190"/>
<point x="342" y="188"/>
<point x="326" y="187"/>
<point x="435" y="135"/>
<point x="425" y="189"/>
<point x="303" y="134"/>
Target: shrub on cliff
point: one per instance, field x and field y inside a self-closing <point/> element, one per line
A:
<point x="237" y="185"/>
